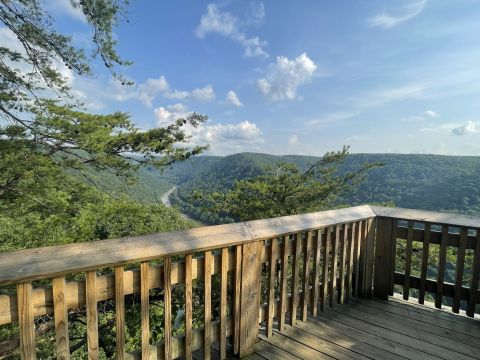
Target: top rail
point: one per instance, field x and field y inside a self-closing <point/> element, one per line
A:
<point x="46" y="262"/>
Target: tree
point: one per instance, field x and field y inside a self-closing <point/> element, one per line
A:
<point x="287" y="190"/>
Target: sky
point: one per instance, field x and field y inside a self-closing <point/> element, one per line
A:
<point x="297" y="77"/>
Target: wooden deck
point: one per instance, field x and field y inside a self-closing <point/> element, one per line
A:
<point x="376" y="329"/>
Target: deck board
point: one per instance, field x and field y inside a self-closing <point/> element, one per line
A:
<point x="376" y="329"/>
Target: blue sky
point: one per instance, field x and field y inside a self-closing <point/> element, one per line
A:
<point x="299" y="77"/>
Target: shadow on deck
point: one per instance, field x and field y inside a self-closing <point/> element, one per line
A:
<point x="376" y="329"/>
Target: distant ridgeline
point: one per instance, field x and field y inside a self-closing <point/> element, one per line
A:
<point x="430" y="182"/>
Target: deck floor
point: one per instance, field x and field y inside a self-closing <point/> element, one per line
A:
<point x="376" y="329"/>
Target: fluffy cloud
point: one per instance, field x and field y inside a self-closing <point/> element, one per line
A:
<point x="417" y="118"/>
<point x="387" y="21"/>
<point x="469" y="127"/>
<point x="204" y="94"/>
<point x="233" y="99"/>
<point x="285" y="76"/>
<point x="229" y="26"/>
<point x="168" y="115"/>
<point x="293" y="140"/>
<point x="431" y="114"/>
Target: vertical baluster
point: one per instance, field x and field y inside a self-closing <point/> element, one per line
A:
<point x="333" y="267"/>
<point x="145" y="309"/>
<point x="306" y="275"/>
<point x="92" y="316"/>
<point x="341" y="270"/>
<point x="295" y="278"/>
<point x="475" y="277"/>
<point x="61" y="318"/>
<point x="408" y="261"/>
<point x="236" y="298"/>
<point x="356" y="262"/>
<point x="393" y="257"/>
<point x="441" y="267"/>
<point x="167" y="310"/>
<point x="120" y="312"/>
<point x="424" y="268"/>
<point x="459" y="270"/>
<point x="188" y="307"/>
<point x="350" y="260"/>
<point x="326" y="251"/>
<point x="316" y="270"/>
<point x="223" y="303"/>
<point x="283" y="283"/>
<point x="26" y="321"/>
<point x="207" y="324"/>
<point x="271" y="286"/>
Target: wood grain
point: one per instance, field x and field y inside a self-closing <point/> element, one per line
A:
<point x="61" y="318"/>
<point x="92" y="315"/>
<point x="167" y="310"/>
<point x="26" y="324"/>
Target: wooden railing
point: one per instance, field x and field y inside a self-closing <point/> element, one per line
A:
<point x="240" y="275"/>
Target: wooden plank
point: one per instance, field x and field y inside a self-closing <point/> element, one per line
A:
<point x="120" y="312"/>
<point x="325" y="262"/>
<point x="295" y="277"/>
<point x="188" y="307"/>
<point x="424" y="266"/>
<point x="475" y="278"/>
<point x="295" y="348"/>
<point x="269" y="351"/>
<point x="369" y="257"/>
<point x="356" y="261"/>
<point x="383" y="257"/>
<point x="271" y="287"/>
<point x="408" y="261"/>
<point x="207" y="310"/>
<point x="333" y="267"/>
<point x="26" y="321"/>
<point x="167" y="310"/>
<point x="433" y="217"/>
<point x="306" y="274"/>
<point x="441" y="267"/>
<point x="393" y="257"/>
<point x="61" y="318"/>
<point x="350" y="261"/>
<point x="436" y="237"/>
<point x="283" y="282"/>
<point x="145" y="309"/>
<point x="341" y="271"/>
<point x="362" y="259"/>
<point x="223" y="304"/>
<point x="460" y="265"/>
<point x="237" y="298"/>
<point x="250" y="296"/>
<point x="92" y="316"/>
<point x="317" y="240"/>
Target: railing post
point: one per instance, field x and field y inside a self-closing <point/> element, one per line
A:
<point x="250" y="296"/>
<point x="384" y="257"/>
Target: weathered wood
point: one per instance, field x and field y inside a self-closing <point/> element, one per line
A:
<point x="369" y="257"/>
<point x="283" y="283"/>
<point x="188" y="307"/>
<point x="341" y="270"/>
<point x="306" y="275"/>
<point x="333" y="267"/>
<point x="120" y="312"/>
<point x="408" y="261"/>
<point x="383" y="257"/>
<point x="61" y="318"/>
<point x="250" y="296"/>
<point x="357" y="252"/>
<point x="207" y="309"/>
<point x="436" y="237"/>
<point x="92" y="316"/>
<point x="26" y="324"/>
<point x="441" y="267"/>
<point x="350" y="255"/>
<point x="475" y="278"/>
<point x="167" y="309"/>
<point x="145" y="309"/>
<point x="317" y="240"/>
<point x="271" y="287"/>
<point x="237" y="289"/>
<point x="424" y="266"/>
<point x="295" y="277"/>
<point x="223" y="304"/>
<point x="460" y="265"/>
<point x="325" y="261"/>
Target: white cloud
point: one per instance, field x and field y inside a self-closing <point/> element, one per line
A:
<point x="417" y="118"/>
<point x="255" y="13"/>
<point x="233" y="99"/>
<point x="431" y="114"/>
<point x="177" y="94"/>
<point x="178" y="107"/>
<point x="285" y="76"/>
<point x="293" y="140"/>
<point x="388" y="21"/>
<point x="412" y="119"/>
<point x="469" y="127"/>
<point x="168" y="115"/>
<point x="229" y="26"/>
<point x="148" y="90"/>
<point x="204" y="94"/>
